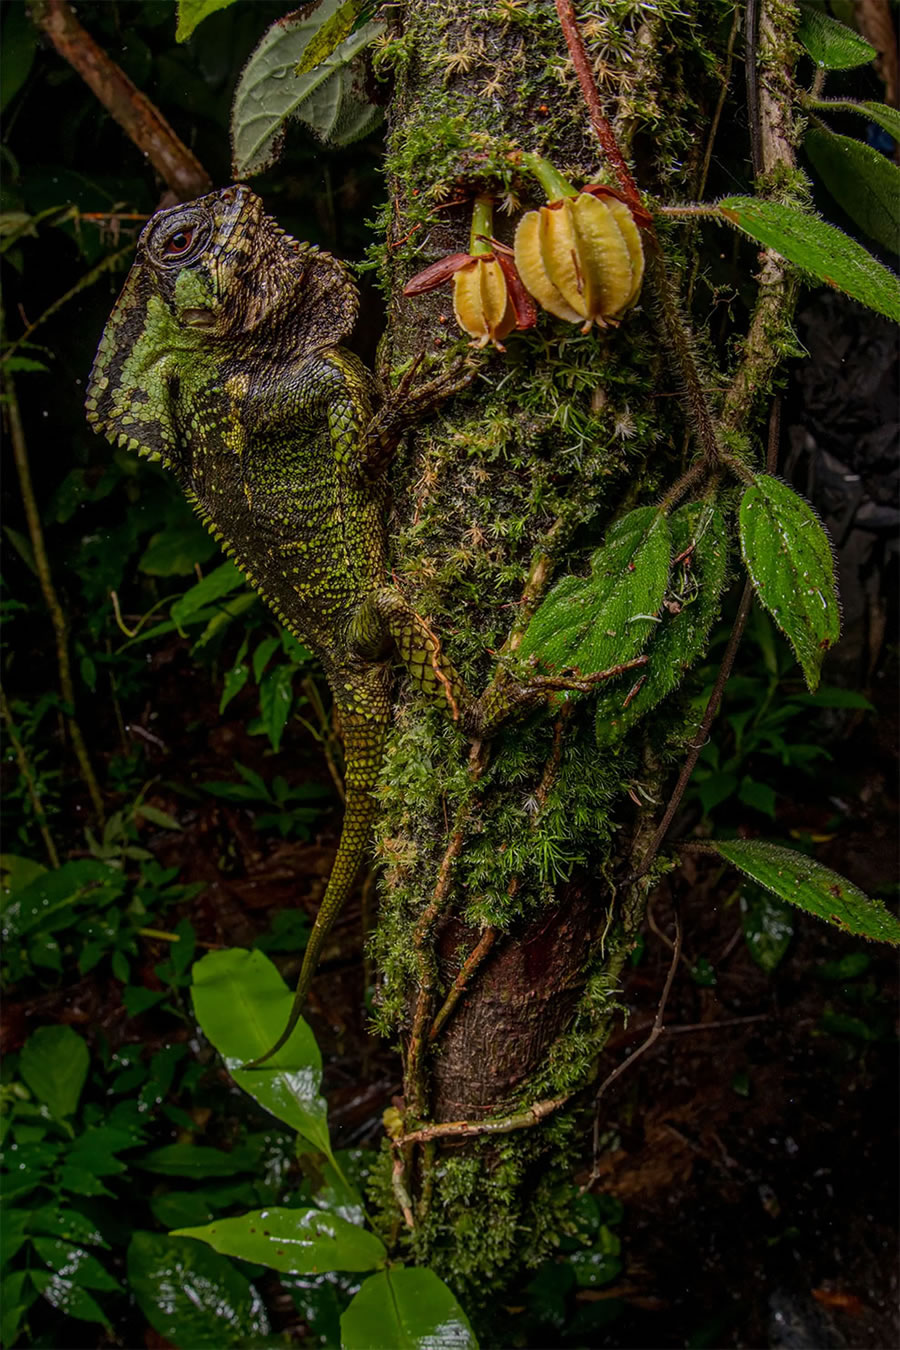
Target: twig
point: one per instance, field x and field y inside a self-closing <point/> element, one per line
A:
<point x="466" y="1129"/>
<point x="136" y="115"/>
<point x="107" y="265"/>
<point x="602" y="129"/>
<point x="655" y="1033"/>
<point x="51" y="599"/>
<point x="401" y="1194"/>
<point x="472" y="962"/>
<point x="31" y="785"/>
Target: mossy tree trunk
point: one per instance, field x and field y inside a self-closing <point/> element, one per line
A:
<point x="505" y="913"/>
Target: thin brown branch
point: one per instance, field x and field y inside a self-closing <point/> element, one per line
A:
<point x="30" y="784"/>
<point x="471" y="964"/>
<point x="602" y="129"/>
<point x="654" y="1035"/>
<point x="141" y="121"/>
<point x="51" y="599"/>
<point x="466" y="1129"/>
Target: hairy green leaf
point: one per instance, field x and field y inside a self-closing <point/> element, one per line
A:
<point x="880" y="113"/>
<point x="788" y="556"/>
<point x="406" y="1309"/>
<point x="689" y="610"/>
<point x="54" y="1063"/>
<point x="831" y="44"/>
<point x="242" y="1005"/>
<point x="818" y="248"/>
<point x="330" y="99"/>
<point x="863" y="181"/>
<point x="192" y="12"/>
<point x="593" y="623"/>
<point x="297" y="1241"/>
<point x="193" y="1296"/>
<point x="810" y="886"/>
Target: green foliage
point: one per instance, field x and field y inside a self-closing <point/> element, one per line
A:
<point x="284" y="813"/>
<point x="192" y="12"/>
<point x="409" y="1308"/>
<point x="193" y="1296"/>
<point x="819" y="249"/>
<point x="689" y="609"/>
<point x="880" y="113"/>
<point x="831" y="44"/>
<point x="861" y="180"/>
<point x="298" y="1241"/>
<point x="810" y="886"/>
<point x="768" y="927"/>
<point x="788" y="557"/>
<point x="329" y="99"/>
<point x="595" y="623"/>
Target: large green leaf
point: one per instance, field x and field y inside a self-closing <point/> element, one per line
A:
<point x="863" y="181"/>
<point x="197" y="1160"/>
<point x="831" y="44"/>
<point x="192" y="1295"/>
<point x="54" y="1063"/>
<point x="689" y="610"/>
<point x="243" y="1005"/>
<point x="593" y="623"/>
<point x="67" y="1296"/>
<point x="74" y="1263"/>
<point x="330" y="99"/>
<point x="818" y="248"/>
<point x="192" y="12"/>
<point x="768" y="926"/>
<point x="406" y="1309"/>
<point x="296" y="1241"/>
<point x="807" y="884"/>
<point x="788" y="557"/>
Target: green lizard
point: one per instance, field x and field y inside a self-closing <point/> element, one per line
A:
<point x="221" y="359"/>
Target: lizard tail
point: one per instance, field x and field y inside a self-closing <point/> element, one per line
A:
<point x="363" y="750"/>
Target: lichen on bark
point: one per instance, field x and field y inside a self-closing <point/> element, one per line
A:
<point x="505" y="917"/>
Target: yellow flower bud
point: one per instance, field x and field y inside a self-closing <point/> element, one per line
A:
<point x="581" y="258"/>
<point x="481" y="301"/>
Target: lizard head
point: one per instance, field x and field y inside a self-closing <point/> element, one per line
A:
<point x="215" y="281"/>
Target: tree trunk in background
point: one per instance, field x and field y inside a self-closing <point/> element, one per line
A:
<point x="524" y="846"/>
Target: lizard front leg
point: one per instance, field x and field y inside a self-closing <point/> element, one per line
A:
<point x="385" y="619"/>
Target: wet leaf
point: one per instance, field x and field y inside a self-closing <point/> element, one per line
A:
<point x="819" y="249"/>
<point x="594" y="623"/>
<point x="407" y="1309"/>
<point x="695" y="586"/>
<point x="768" y="927"/>
<point x="68" y="1297"/>
<point x="831" y="44"/>
<point x="54" y="1063"/>
<point x="807" y="884"/>
<point x="862" y="180"/>
<point x="788" y="557"/>
<point x="330" y="100"/>
<point x="242" y="1005"/>
<point x="48" y="900"/>
<point x="192" y="1295"/>
<point x="74" y="1263"/>
<point x="297" y="1241"/>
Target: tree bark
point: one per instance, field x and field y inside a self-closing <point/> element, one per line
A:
<point x="506" y="914"/>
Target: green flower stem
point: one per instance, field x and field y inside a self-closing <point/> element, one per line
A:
<point x="550" y="179"/>
<point x="482" y="226"/>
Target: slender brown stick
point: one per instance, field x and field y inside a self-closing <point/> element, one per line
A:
<point x="135" y="114"/>
<point x="655" y="1033"/>
<point x="51" y="599"/>
<point x="31" y="785"/>
<point x="472" y="962"/>
<point x="465" y="1129"/>
<point x="602" y="129"/>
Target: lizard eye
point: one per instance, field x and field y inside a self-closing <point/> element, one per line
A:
<point x="177" y="243"/>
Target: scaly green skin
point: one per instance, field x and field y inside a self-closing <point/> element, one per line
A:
<point x="221" y="361"/>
